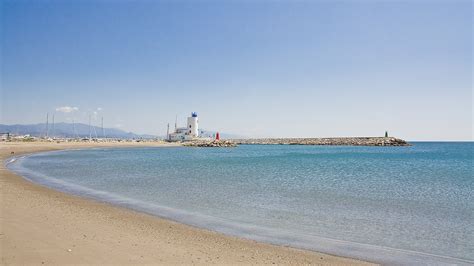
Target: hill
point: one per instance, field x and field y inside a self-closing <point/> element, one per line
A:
<point x="69" y="130"/>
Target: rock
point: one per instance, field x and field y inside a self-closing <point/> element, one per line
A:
<point x="212" y="143"/>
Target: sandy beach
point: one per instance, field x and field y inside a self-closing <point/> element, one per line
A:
<point x="43" y="226"/>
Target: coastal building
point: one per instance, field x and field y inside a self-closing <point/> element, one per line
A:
<point x="5" y="136"/>
<point x="193" y="125"/>
<point x="190" y="132"/>
<point x="26" y="137"/>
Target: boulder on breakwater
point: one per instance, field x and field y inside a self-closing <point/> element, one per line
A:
<point x="212" y="143"/>
<point x="347" y="141"/>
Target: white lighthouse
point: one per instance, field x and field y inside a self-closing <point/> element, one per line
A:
<point x="189" y="132"/>
<point x="193" y="129"/>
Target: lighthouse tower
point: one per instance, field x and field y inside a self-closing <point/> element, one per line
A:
<point x="193" y="129"/>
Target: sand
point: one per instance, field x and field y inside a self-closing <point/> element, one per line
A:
<point x="43" y="226"/>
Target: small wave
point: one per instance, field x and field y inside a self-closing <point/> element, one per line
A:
<point x="14" y="159"/>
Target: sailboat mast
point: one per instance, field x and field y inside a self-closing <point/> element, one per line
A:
<point x="53" y="127"/>
<point x="74" y="135"/>
<point x="176" y="124"/>
<point x="90" y="132"/>
<point x="168" y="132"/>
<point x="47" y="125"/>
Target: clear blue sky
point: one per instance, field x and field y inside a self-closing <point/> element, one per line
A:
<point x="256" y="68"/>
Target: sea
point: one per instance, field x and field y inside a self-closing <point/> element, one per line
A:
<point x="392" y="205"/>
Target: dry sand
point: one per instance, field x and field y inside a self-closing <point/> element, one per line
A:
<point x="43" y="226"/>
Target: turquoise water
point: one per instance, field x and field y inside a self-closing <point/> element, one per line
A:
<point x="396" y="205"/>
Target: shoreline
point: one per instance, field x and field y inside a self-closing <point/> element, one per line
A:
<point x="42" y="225"/>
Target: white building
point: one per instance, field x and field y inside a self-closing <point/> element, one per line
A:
<point x="190" y="132"/>
<point x="193" y="125"/>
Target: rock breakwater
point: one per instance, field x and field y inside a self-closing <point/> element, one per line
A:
<point x="347" y="141"/>
<point x="212" y="143"/>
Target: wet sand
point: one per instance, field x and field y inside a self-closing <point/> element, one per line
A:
<point x="43" y="226"/>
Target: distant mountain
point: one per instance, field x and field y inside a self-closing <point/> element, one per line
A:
<point x="69" y="130"/>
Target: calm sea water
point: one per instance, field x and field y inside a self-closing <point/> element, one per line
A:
<point x="398" y="205"/>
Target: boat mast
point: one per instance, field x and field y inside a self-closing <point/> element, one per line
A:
<point x="74" y="134"/>
<point x="102" y="125"/>
<point x="53" y="127"/>
<point x="47" y="125"/>
<point x="90" y="132"/>
<point x="176" y="124"/>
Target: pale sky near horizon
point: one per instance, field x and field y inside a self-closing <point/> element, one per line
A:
<point x="253" y="68"/>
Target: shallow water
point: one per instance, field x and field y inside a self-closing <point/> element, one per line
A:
<point x="398" y="205"/>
